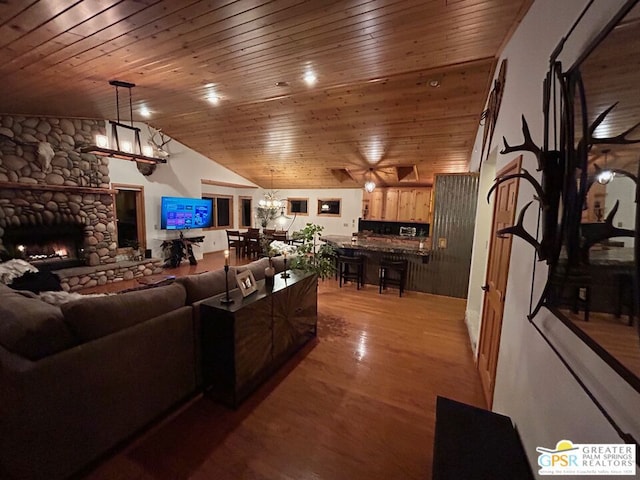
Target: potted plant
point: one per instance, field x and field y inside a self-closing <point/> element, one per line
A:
<point x="311" y="255"/>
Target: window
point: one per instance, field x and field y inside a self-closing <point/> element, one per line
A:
<point x="246" y="211"/>
<point x="222" y="211"/>
<point x="299" y="206"/>
<point x="329" y="207"/>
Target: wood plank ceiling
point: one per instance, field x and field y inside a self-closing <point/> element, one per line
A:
<point x="371" y="106"/>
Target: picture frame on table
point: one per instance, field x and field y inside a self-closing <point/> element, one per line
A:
<point x="246" y="282"/>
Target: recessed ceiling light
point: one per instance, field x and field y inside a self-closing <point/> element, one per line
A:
<point x="310" y="78"/>
<point x="282" y="84"/>
<point x="434" y="83"/>
<point x="145" y="112"/>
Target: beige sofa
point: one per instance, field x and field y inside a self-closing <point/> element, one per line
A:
<point x="78" y="379"/>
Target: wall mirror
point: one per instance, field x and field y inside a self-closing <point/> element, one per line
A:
<point x="593" y="285"/>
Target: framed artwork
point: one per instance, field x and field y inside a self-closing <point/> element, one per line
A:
<point x="246" y="282"/>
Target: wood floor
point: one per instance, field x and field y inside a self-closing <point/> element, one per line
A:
<point x="357" y="403"/>
<point x="615" y="335"/>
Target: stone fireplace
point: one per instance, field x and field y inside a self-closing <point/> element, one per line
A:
<point x="56" y="194"/>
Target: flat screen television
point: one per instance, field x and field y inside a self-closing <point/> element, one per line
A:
<point x="181" y="213"/>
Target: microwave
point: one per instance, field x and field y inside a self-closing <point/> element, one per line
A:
<point x="408" y="231"/>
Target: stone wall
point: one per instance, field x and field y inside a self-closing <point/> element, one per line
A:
<point x="54" y="182"/>
<point x="74" y="279"/>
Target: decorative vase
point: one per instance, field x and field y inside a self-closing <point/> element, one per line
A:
<point x="269" y="273"/>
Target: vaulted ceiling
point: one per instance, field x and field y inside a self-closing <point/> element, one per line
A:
<point x="400" y="84"/>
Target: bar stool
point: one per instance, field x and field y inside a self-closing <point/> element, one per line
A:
<point x="394" y="273"/>
<point x="572" y="289"/>
<point x="350" y="269"/>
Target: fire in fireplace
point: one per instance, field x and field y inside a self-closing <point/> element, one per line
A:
<point x="46" y="246"/>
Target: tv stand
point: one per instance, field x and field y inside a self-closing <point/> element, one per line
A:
<point x="179" y="248"/>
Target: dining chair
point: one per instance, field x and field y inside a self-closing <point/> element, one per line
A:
<point x="253" y="242"/>
<point x="235" y="241"/>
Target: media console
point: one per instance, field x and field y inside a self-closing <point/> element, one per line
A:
<point x="245" y="342"/>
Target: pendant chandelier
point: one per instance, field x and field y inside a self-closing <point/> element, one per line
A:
<point x="370" y="185"/>
<point x="130" y="149"/>
<point x="270" y="207"/>
<point x="604" y="175"/>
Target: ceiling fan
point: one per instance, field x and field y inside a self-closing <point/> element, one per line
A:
<point x="366" y="173"/>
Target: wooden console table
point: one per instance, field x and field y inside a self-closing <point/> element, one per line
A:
<point x="245" y="342"/>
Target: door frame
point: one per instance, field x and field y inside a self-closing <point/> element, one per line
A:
<point x="141" y="225"/>
<point x="512" y="167"/>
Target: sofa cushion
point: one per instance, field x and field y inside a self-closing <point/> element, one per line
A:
<point x="95" y="317"/>
<point x="278" y="263"/>
<point x="208" y="284"/>
<point x="30" y="327"/>
<point x="256" y="267"/>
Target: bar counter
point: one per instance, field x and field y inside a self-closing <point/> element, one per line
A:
<point x="386" y="244"/>
<point x="375" y="248"/>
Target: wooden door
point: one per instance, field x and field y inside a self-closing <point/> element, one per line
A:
<point x="495" y="287"/>
<point x="376" y="205"/>
<point x="422" y="198"/>
<point x="391" y="205"/>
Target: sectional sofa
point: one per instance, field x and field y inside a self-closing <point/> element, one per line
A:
<point x="78" y="379"/>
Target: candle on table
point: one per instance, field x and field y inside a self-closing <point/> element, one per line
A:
<point x="226" y="257"/>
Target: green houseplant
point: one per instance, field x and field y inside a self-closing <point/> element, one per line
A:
<point x="311" y="255"/>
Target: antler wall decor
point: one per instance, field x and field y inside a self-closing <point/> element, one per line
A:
<point x="548" y="191"/>
<point x="161" y="151"/>
<point x="159" y="144"/>
<point x="564" y="181"/>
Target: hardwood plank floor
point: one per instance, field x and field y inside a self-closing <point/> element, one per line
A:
<point x="615" y="335"/>
<point x="357" y="403"/>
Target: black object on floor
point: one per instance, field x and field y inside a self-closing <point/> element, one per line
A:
<point x="37" y="282"/>
<point x="476" y="444"/>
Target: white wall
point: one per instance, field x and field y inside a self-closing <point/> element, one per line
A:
<point x="345" y="224"/>
<point x="532" y="385"/>
<point x="482" y="232"/>
<point x="622" y="189"/>
<point x="180" y="177"/>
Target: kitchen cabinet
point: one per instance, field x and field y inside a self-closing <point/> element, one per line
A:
<point x="421" y="205"/>
<point x="398" y="204"/>
<point x="405" y="209"/>
<point x="391" y="204"/>
<point x="376" y="204"/>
